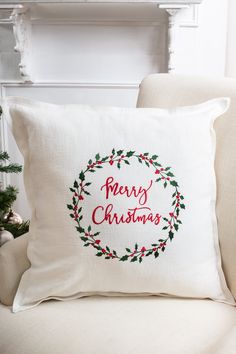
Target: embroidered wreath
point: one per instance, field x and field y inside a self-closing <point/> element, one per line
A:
<point x="91" y="237"/>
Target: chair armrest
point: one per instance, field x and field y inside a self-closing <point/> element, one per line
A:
<point x="13" y="263"/>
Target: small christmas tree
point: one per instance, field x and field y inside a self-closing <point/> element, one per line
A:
<point x="8" y="197"/>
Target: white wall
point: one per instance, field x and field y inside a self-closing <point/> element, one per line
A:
<point x="231" y="44"/>
<point x="106" y="51"/>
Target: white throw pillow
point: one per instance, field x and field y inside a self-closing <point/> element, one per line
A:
<point x="123" y="201"/>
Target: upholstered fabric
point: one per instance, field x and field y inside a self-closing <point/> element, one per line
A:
<point x="13" y="263"/>
<point x="163" y="90"/>
<point x="134" y="325"/>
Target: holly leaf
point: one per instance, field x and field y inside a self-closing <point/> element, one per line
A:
<point x="165" y="228"/>
<point x="140" y="259"/>
<point x="156" y="254"/>
<point x="134" y="259"/>
<point x="70" y="207"/>
<point x="174" y="183"/>
<point x="119" y="152"/>
<point x="136" y="246"/>
<point x="86" y="192"/>
<point x="127" y="162"/>
<point x="76" y="185"/>
<point x="165" y="184"/>
<point x="170" y="174"/>
<point x="145" y="154"/>
<point x="179" y="221"/>
<point x="149" y="253"/>
<point x="118" y="165"/>
<point x="81" y="176"/>
<point x="89" y="228"/>
<point x="85" y="239"/>
<point x="176" y="226"/>
<point x="97" y="157"/>
<point x="130" y="153"/>
<point x="171" y="235"/>
<point x="154" y="157"/>
<point x="113" y="151"/>
<point x="158" y="179"/>
<point x="128" y="250"/>
<point x="124" y="258"/>
<point x="80" y="229"/>
<point x="167" y="168"/>
<point x="146" y="163"/>
<point x="88" y="184"/>
<point x="90" y="161"/>
<point x="72" y="190"/>
<point x="182" y="206"/>
<point x="99" y="254"/>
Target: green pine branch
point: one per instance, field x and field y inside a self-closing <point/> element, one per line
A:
<point x="4" y="156"/>
<point x="7" y="198"/>
<point x="11" y="168"/>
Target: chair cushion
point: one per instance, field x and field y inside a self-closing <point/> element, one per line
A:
<point x="100" y="325"/>
<point x="13" y="263"/>
<point x="164" y="90"/>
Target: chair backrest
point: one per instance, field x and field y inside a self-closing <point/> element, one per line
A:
<point x="165" y="90"/>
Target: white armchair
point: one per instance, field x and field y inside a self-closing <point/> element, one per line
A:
<point x="137" y="325"/>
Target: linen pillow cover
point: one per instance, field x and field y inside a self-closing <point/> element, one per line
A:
<point x="123" y="201"/>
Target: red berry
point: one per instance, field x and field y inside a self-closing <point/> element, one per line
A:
<point x="122" y="156"/>
<point x="81" y="197"/>
<point x="154" y="249"/>
<point x="97" y="242"/>
<point x="111" y="162"/>
<point x="103" y="250"/>
<point x="162" y="169"/>
<point x="151" y="161"/>
<point x="157" y="172"/>
<point x="168" y="178"/>
<point x="143" y="249"/>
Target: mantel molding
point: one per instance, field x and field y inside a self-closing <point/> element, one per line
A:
<point x="19" y="14"/>
<point x="20" y="18"/>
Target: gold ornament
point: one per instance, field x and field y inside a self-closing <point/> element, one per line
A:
<point x="12" y="218"/>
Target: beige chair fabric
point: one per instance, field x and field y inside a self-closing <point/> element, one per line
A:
<point x="136" y="325"/>
<point x="163" y="90"/>
<point x="13" y="263"/>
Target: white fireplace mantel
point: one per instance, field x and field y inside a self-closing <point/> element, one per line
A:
<point x="22" y="14"/>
